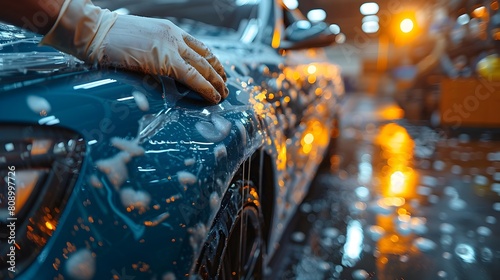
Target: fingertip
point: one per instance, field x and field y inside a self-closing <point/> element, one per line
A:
<point x="217" y="98"/>
<point x="226" y="91"/>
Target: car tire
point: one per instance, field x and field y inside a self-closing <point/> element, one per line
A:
<point x="235" y="245"/>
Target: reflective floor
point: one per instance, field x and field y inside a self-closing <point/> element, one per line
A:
<point x="399" y="200"/>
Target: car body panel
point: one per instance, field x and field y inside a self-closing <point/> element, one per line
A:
<point x="153" y="175"/>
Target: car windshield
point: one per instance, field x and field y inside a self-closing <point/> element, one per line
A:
<point x="232" y="15"/>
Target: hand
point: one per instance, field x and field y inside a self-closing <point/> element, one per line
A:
<point x="148" y="45"/>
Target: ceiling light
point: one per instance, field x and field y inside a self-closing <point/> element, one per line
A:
<point x="316" y="15"/>
<point x="370" y="18"/>
<point x="335" y="28"/>
<point x="370" y="27"/>
<point x="463" y="19"/>
<point x="406" y="25"/>
<point x="291" y="4"/>
<point x="369" y="8"/>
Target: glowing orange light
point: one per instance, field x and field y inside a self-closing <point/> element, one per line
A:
<point x="406" y="25"/>
<point x="311" y="79"/>
<point x="479" y="12"/>
<point x="309" y="138"/>
<point x="49" y="225"/>
<point x="311" y="69"/>
<point x="398" y="182"/>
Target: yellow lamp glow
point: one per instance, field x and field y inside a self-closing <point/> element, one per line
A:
<point x="406" y="25"/>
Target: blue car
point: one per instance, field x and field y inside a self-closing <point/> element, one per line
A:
<point x="110" y="174"/>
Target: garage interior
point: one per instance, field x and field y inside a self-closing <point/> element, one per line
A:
<point x="411" y="189"/>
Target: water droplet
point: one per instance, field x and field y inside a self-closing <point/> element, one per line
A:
<point x="418" y="225"/>
<point x="324" y="266"/>
<point x="463" y="138"/>
<point x="360" y="274"/>
<point x="298" y="236"/>
<point x="380" y="207"/>
<point x="363" y="193"/>
<point x="484" y="231"/>
<point x="442" y="274"/>
<point x="496" y="206"/>
<point x="457" y="204"/>
<point x="404" y="228"/>
<point x="450" y="191"/>
<point x="443" y="216"/>
<point x="429" y="181"/>
<point x="439" y="165"/>
<point x="424" y="244"/>
<point x="446" y="255"/>
<point x="361" y="206"/>
<point x="376" y="232"/>
<point x="455" y="169"/>
<point x="464" y="156"/>
<point x="423" y="190"/>
<point x="446" y="240"/>
<point x="496" y="177"/>
<point x="491" y="220"/>
<point x="331" y="232"/>
<point x="491" y="171"/>
<point x="465" y="252"/>
<point x="433" y="199"/>
<point x="446" y="228"/>
<point x="496" y="187"/>
<point x="306" y="207"/>
<point x="341" y="238"/>
<point x="481" y="180"/>
<point x="486" y="254"/>
<point x="404" y="258"/>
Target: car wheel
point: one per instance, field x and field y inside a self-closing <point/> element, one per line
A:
<point x="235" y="245"/>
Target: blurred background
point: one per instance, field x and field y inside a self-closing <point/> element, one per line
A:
<point x="412" y="186"/>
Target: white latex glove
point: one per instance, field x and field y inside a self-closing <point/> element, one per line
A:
<point x="149" y="45"/>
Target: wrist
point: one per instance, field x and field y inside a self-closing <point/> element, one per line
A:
<point x="75" y="29"/>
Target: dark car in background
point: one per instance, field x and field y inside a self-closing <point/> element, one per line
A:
<point x="109" y="174"/>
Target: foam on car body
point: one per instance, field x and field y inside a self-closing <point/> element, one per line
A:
<point x="186" y="178"/>
<point x="216" y="130"/>
<point x="141" y="100"/>
<point x="38" y="104"/>
<point x="115" y="168"/>
<point x="81" y="265"/>
<point x="131" y="198"/>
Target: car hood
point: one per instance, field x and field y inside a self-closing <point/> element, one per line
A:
<point x="23" y="59"/>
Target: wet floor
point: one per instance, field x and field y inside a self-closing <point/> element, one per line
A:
<point x="398" y="200"/>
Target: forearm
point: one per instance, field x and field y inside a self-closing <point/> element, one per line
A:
<point x="35" y="15"/>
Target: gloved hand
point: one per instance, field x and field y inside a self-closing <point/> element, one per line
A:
<point x="149" y="45"/>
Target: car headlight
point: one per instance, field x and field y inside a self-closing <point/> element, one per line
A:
<point x="38" y="170"/>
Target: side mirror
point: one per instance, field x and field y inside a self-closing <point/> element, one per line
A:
<point x="303" y="35"/>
